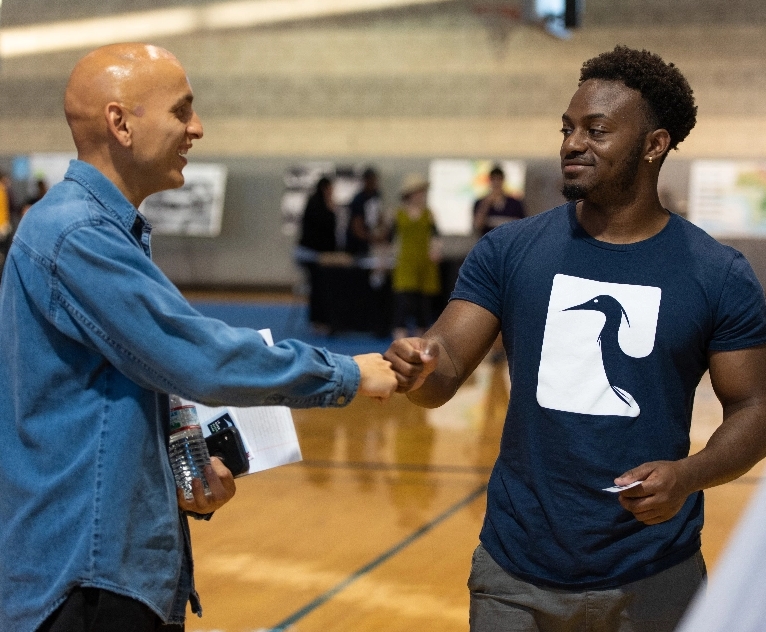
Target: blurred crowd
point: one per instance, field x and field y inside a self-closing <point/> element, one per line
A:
<point x="12" y="209"/>
<point x="396" y="247"/>
<point x="400" y="246"/>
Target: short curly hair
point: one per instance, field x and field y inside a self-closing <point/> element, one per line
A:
<point x="665" y="90"/>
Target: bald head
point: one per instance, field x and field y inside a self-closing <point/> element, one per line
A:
<point x="119" y="73"/>
<point x="129" y="107"/>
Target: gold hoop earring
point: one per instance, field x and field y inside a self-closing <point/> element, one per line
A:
<point x="650" y="159"/>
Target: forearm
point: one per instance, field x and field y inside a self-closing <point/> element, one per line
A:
<point x="739" y="381"/>
<point x="440" y="386"/>
<point x="289" y="374"/>
<point x="733" y="449"/>
<point x="431" y="369"/>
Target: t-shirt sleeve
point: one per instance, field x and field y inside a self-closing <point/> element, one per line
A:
<point x="478" y="281"/>
<point x="741" y="315"/>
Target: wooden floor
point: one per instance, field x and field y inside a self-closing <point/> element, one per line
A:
<point x="374" y="530"/>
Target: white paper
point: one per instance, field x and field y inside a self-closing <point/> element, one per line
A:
<point x="617" y="488"/>
<point x="268" y="432"/>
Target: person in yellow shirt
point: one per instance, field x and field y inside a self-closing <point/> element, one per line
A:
<point x="415" y="278"/>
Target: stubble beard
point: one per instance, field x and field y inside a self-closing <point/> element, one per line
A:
<point x="572" y="191"/>
<point x="624" y="180"/>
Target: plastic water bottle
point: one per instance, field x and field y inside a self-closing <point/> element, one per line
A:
<point x="187" y="449"/>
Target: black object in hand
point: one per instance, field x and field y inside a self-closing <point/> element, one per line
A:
<point x="227" y="445"/>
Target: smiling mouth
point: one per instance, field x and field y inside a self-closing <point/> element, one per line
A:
<point x="573" y="168"/>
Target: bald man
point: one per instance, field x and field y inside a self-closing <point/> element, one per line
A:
<point x="93" y="535"/>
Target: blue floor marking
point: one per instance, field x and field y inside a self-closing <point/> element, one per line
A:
<point x="324" y="598"/>
<point x="289" y="320"/>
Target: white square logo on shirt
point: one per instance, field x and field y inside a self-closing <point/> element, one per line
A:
<point x="593" y="332"/>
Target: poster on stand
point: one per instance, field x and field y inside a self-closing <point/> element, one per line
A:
<point x="727" y="198"/>
<point x="195" y="209"/>
<point x="457" y="184"/>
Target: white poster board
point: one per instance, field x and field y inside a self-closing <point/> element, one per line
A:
<point x="727" y="198"/>
<point x="455" y="185"/>
<point x="196" y="209"/>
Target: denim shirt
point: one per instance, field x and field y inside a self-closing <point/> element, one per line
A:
<point x="93" y="337"/>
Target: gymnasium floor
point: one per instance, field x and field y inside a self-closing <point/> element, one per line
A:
<point x="374" y="530"/>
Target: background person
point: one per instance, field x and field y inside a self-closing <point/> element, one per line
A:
<point x="318" y="227"/>
<point x="497" y="207"/>
<point x="6" y="217"/>
<point x="365" y="222"/>
<point x="415" y="277"/>
<point x="611" y="310"/>
<point x="93" y="533"/>
<point x="41" y="188"/>
<point x="319" y="220"/>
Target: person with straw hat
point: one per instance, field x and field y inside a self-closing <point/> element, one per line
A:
<point x="416" y="272"/>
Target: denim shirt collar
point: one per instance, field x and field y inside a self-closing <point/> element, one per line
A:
<point x="107" y="194"/>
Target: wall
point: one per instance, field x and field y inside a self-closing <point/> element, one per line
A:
<point x="251" y="250"/>
<point x="397" y="88"/>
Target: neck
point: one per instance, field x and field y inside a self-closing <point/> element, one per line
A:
<point x="623" y="223"/>
<point x="129" y="187"/>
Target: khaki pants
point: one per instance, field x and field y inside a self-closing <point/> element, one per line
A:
<point x="501" y="602"/>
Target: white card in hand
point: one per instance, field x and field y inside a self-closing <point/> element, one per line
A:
<point x="617" y="489"/>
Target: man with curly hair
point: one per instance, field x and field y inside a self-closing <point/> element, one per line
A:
<point x="611" y="310"/>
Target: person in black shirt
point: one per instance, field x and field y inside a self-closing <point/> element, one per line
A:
<point x="318" y="234"/>
<point x="365" y="216"/>
<point x="318" y="225"/>
<point x="497" y="207"/>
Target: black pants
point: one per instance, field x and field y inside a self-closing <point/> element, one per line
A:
<point x="409" y="306"/>
<point x="319" y="313"/>
<point x="97" y="610"/>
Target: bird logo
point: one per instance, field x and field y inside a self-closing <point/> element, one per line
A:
<point x="612" y="355"/>
<point x="596" y="344"/>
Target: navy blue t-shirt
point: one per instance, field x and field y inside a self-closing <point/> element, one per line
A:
<point x="606" y="345"/>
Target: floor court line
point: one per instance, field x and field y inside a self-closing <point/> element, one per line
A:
<point x="283" y="626"/>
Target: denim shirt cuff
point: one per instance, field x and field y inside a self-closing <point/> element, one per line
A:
<point x="348" y="381"/>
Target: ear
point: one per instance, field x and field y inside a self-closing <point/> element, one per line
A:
<point x="118" y="124"/>
<point x="657" y="144"/>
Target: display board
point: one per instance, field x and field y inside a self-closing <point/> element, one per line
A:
<point x="195" y="209"/>
<point x="457" y="184"/>
<point x="727" y="198"/>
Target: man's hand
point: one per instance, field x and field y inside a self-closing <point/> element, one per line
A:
<point x="377" y="378"/>
<point x="222" y="489"/>
<point x="660" y="496"/>
<point x="413" y="360"/>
